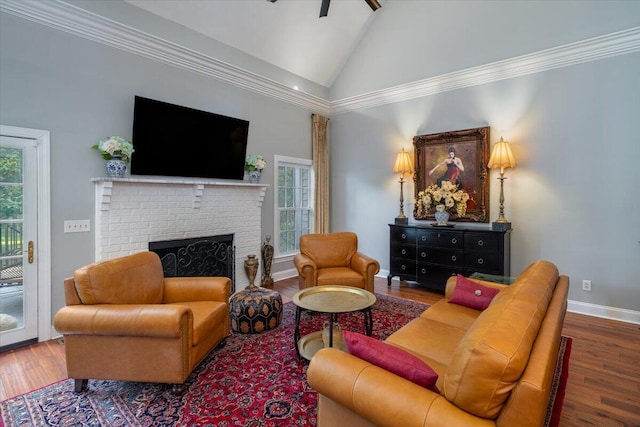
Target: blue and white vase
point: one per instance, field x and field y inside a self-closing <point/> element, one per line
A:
<point x="442" y="216"/>
<point x="116" y="167"/>
<point x="254" y="177"/>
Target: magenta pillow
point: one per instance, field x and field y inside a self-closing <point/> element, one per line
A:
<point x="472" y="294"/>
<point x="391" y="358"/>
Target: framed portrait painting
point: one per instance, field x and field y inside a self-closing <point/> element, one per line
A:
<point x="459" y="157"/>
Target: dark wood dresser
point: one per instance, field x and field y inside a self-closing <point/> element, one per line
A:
<point x="430" y="255"/>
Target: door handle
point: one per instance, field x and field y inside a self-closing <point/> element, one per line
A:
<point x="30" y="252"/>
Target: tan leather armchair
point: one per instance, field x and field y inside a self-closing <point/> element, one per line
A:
<point x="333" y="259"/>
<point x="125" y="321"/>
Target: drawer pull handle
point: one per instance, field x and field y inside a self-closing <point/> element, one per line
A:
<point x="403" y="267"/>
<point x="424" y="238"/>
<point x="454" y="240"/>
<point x="423" y="271"/>
<point x="404" y="251"/>
<point x="453" y="258"/>
<point x="480" y="261"/>
<point x="404" y="236"/>
<point x="480" y="243"/>
<point x="423" y="254"/>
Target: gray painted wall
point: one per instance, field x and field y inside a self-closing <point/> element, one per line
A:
<point x="82" y="92"/>
<point x="573" y="198"/>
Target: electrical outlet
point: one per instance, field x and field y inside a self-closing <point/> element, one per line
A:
<point x="586" y="285"/>
<point x="77" y="226"/>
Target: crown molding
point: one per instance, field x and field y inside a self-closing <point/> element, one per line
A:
<point x="74" y="20"/>
<point x="593" y="49"/>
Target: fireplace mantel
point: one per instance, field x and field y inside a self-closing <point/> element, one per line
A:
<point x="105" y="189"/>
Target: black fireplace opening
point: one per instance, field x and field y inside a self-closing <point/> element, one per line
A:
<point x="197" y="257"/>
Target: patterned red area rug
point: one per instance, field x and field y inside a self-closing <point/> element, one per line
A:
<point x="252" y="381"/>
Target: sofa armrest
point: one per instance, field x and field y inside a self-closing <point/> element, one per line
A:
<point x="185" y="289"/>
<point x="380" y="396"/>
<point x="451" y="285"/>
<point x="307" y="270"/>
<point x="145" y="320"/>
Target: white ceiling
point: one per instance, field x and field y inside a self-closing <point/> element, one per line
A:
<point x="288" y="33"/>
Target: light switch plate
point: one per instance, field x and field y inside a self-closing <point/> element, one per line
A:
<point x="77" y="226"/>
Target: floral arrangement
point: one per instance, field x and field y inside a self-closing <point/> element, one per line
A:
<point x="255" y="162"/>
<point x="447" y="194"/>
<point x="115" y="146"/>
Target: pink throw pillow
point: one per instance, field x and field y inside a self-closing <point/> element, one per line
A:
<point x="392" y="359"/>
<point x="472" y="294"/>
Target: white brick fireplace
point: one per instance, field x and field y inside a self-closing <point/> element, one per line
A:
<point x="131" y="212"/>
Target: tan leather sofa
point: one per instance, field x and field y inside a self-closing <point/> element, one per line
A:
<point x="495" y="367"/>
<point x="125" y="321"/>
<point x="333" y="259"/>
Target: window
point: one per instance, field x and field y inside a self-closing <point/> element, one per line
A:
<point x="294" y="203"/>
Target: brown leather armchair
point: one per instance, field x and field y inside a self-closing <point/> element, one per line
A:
<point x="125" y="321"/>
<point x="333" y="259"/>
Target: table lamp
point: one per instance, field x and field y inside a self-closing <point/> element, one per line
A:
<point x="501" y="157"/>
<point x="403" y="165"/>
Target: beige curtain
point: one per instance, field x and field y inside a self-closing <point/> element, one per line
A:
<point x="321" y="173"/>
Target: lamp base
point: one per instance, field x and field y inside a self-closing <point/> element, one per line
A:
<point x="500" y="226"/>
<point x="402" y="221"/>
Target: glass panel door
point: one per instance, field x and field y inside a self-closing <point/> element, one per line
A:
<point x="18" y="225"/>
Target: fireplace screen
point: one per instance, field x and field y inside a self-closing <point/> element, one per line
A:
<point x="197" y="257"/>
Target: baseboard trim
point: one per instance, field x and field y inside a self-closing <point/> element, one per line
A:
<point x="285" y="274"/>
<point x="603" y="311"/>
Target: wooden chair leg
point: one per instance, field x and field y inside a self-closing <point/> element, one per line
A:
<point x="177" y="389"/>
<point x="80" y="384"/>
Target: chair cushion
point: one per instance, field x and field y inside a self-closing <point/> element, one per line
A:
<point x="340" y="276"/>
<point x="132" y="279"/>
<point x="391" y="358"/>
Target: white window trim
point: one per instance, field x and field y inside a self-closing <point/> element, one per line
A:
<point x="277" y="161"/>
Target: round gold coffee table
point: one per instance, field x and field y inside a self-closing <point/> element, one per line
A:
<point x="333" y="300"/>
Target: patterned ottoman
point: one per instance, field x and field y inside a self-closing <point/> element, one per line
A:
<point x="255" y="309"/>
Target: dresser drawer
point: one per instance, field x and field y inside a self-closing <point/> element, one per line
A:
<point x="401" y="235"/>
<point x="441" y="239"/>
<point x="481" y="242"/>
<point x="435" y="277"/>
<point x="439" y="256"/>
<point x="487" y="262"/>
<point x="403" y="251"/>
<point x="403" y="267"/>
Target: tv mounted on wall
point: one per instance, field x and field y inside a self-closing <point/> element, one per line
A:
<point x="171" y="140"/>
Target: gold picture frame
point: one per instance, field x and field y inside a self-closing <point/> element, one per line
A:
<point x="471" y="148"/>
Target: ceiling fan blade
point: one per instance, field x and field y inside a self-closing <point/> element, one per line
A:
<point x="373" y="4"/>
<point x="324" y="9"/>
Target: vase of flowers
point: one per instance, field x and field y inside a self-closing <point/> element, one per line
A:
<point x="444" y="198"/>
<point x="254" y="164"/>
<point x="117" y="151"/>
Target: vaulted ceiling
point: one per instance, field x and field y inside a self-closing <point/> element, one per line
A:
<point x="287" y="33"/>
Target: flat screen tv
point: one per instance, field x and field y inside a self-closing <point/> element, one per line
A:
<point x="171" y="140"/>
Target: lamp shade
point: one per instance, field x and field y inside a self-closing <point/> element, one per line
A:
<point x="403" y="164"/>
<point x="501" y="156"/>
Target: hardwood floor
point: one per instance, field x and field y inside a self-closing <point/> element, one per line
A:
<point x="604" y="375"/>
